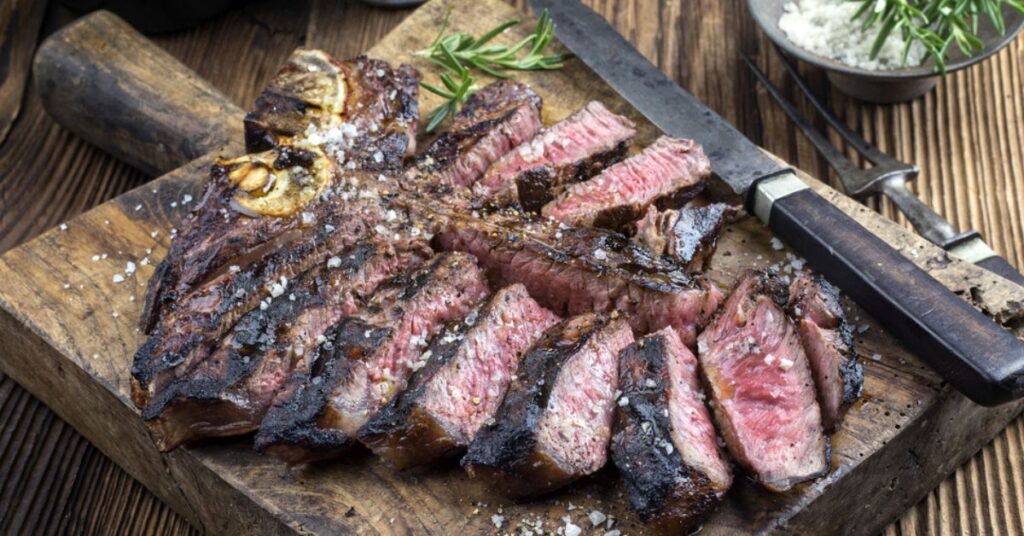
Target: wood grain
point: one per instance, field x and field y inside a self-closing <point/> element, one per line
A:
<point x="19" y="27"/>
<point x="950" y="509"/>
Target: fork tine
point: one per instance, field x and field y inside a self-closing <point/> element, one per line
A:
<point x="843" y="166"/>
<point x="855" y="140"/>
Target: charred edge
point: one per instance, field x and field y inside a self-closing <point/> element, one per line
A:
<point x="291" y="429"/>
<point x="662" y="489"/>
<point x="539" y="186"/>
<point x="509" y="443"/>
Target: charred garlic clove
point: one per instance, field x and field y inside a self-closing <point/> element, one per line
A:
<point x="270" y="184"/>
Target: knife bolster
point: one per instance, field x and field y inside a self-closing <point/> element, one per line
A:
<point x="768" y="191"/>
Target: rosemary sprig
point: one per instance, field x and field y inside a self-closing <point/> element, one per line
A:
<point x="459" y="52"/>
<point x="937" y="25"/>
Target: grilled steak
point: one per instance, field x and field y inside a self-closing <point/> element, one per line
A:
<point x="688" y="235"/>
<point x="463" y="378"/>
<point x="228" y="393"/>
<point x="664" y="442"/>
<point x="828" y="341"/>
<point x="573" y="271"/>
<point x="252" y="200"/>
<point x="495" y="119"/>
<point x="762" y="388"/>
<point x="572" y="150"/>
<point x="315" y="92"/>
<point x="555" y="422"/>
<point x="369" y="360"/>
<point x="669" y="172"/>
<point x="186" y="334"/>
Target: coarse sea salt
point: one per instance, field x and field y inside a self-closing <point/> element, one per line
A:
<point x="827" y="28"/>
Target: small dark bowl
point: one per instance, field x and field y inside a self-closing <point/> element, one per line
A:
<point x="889" y="86"/>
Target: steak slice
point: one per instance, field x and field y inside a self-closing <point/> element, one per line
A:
<point x="462" y="381"/>
<point x="188" y="332"/>
<point x="669" y="172"/>
<point x="827" y="339"/>
<point x="664" y="441"/>
<point x="572" y="150"/>
<point x="762" y="387"/>
<point x="688" y="235"/>
<point x="495" y="119"/>
<point x="368" y="361"/>
<point x="555" y="422"/>
<point x="228" y="393"/>
<point x="313" y="91"/>
<point x="577" y="270"/>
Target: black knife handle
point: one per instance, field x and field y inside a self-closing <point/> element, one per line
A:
<point x="973" y="353"/>
<point x="1002" y="267"/>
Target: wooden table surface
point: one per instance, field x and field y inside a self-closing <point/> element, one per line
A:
<point x="967" y="136"/>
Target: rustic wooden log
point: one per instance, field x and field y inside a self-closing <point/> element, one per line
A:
<point x="19" y="26"/>
<point x="107" y="83"/>
<point x="72" y="336"/>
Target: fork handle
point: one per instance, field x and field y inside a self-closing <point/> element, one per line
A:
<point x="976" y="251"/>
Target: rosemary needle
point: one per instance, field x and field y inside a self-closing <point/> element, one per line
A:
<point x="459" y="52"/>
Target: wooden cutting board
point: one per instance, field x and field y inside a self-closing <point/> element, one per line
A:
<point x="68" y="333"/>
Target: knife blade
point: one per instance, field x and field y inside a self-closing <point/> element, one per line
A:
<point x="973" y="353"/>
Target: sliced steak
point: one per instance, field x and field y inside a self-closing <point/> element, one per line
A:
<point x="368" y="361"/>
<point x="463" y="379"/>
<point x="688" y="235"/>
<point x="359" y="122"/>
<point x="572" y="150"/>
<point x="828" y="341"/>
<point x="495" y="119"/>
<point x="313" y="92"/>
<point x="189" y="331"/>
<point x="664" y="441"/>
<point x="554" y="424"/>
<point x="762" y="387"/>
<point x="669" y="172"/>
<point x="228" y="393"/>
<point x="577" y="270"/>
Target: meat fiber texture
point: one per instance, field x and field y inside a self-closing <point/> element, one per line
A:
<point x="461" y="380"/>
<point x="828" y="341"/>
<point x="762" y="387"/>
<point x="369" y="359"/>
<point x="578" y="270"/>
<point x="664" y="441"/>
<point x="670" y="169"/>
<point x="554" y="424"/>
<point x="494" y="120"/>
<point x="572" y="150"/>
<point x="228" y="393"/>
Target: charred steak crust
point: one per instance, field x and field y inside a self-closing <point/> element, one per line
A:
<point x="464" y="378"/>
<point x="316" y="416"/>
<point x="229" y="393"/>
<point x="760" y="380"/>
<point x="815" y="306"/>
<point x="378" y="103"/>
<point x="510" y="452"/>
<point x="670" y="495"/>
<point x="312" y="88"/>
<point x="572" y="150"/>
<point x="495" y="119"/>
<point x="688" y="235"/>
<point x="667" y="173"/>
<point x="183" y="337"/>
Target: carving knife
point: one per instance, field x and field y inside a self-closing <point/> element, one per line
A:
<point x="973" y="353"/>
